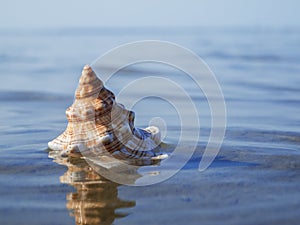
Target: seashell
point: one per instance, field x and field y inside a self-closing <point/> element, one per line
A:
<point x="97" y="124"/>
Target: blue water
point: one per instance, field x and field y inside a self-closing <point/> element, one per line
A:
<point x="253" y="180"/>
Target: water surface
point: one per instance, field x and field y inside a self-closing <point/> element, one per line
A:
<point x="253" y="180"/>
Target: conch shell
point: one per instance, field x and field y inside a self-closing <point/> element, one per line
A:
<point x="98" y="124"/>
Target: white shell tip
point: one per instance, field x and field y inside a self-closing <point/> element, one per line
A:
<point x="160" y="157"/>
<point x="87" y="67"/>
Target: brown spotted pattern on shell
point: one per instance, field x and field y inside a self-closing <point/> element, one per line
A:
<point x="98" y="124"/>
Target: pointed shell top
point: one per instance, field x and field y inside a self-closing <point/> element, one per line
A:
<point x="89" y="84"/>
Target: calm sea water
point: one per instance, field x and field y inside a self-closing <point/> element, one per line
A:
<point x="254" y="179"/>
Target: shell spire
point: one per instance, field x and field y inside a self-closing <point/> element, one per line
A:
<point x="97" y="124"/>
<point x="89" y="84"/>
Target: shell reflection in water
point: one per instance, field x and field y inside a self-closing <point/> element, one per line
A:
<point x="99" y="126"/>
<point x="95" y="200"/>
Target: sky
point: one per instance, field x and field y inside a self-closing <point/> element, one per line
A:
<point x="136" y="13"/>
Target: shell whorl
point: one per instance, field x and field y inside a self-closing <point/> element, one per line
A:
<point x="89" y="84"/>
<point x="98" y="124"/>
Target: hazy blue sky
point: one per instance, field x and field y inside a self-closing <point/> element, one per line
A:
<point x="62" y="13"/>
